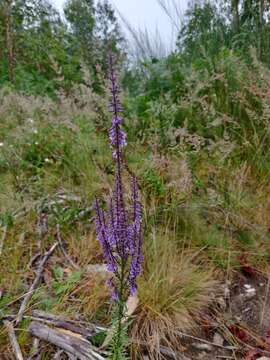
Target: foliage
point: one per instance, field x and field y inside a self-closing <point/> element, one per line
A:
<point x="197" y="125"/>
<point x="41" y="53"/>
<point x="204" y="32"/>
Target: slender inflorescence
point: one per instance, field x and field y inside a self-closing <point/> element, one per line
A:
<point x="119" y="227"/>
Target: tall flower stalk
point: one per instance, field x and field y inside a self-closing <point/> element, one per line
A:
<point x="119" y="226"/>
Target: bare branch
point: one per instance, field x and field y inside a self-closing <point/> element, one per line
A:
<point x="35" y="283"/>
<point x="69" y="341"/>
<point x="62" y="247"/>
<point x="13" y="340"/>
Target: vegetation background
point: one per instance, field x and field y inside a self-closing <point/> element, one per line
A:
<point x="198" y="124"/>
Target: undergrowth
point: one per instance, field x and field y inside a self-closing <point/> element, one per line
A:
<point x="203" y="171"/>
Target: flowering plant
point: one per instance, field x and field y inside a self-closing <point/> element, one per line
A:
<point x="119" y="228"/>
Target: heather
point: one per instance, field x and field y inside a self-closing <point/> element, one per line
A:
<point x="196" y="134"/>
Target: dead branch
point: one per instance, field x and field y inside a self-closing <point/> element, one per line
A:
<point x="64" y="323"/>
<point x="35" y="351"/>
<point x="172" y="354"/>
<point x="57" y="355"/>
<point x="81" y="327"/>
<point x="35" y="283"/>
<point x="69" y="341"/>
<point x="33" y="260"/>
<point x="71" y="357"/>
<point x="83" y="213"/>
<point x="2" y="239"/>
<point x="62" y="247"/>
<point x="183" y="335"/>
<point x="164" y="350"/>
<point x="13" y="340"/>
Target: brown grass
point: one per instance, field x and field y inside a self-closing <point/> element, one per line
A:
<point x="171" y="291"/>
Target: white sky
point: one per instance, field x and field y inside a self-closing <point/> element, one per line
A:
<point x="143" y="14"/>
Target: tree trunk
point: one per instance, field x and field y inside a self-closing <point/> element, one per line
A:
<point x="9" y="40"/>
<point x="236" y="18"/>
<point x="261" y="28"/>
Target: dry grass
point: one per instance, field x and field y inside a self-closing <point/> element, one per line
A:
<point x="172" y="291"/>
<point x="204" y="209"/>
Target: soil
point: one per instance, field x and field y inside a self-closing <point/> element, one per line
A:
<point x="239" y="318"/>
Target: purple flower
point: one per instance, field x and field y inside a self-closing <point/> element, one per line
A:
<point x="102" y="235"/>
<point x="119" y="229"/>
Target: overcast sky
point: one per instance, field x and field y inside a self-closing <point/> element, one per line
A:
<point x="143" y="13"/>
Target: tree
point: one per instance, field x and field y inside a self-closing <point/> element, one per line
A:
<point x="37" y="54"/>
<point x="235" y="13"/>
<point x="80" y="17"/>
<point x="204" y="31"/>
<point x="235" y="24"/>
<point x="252" y="28"/>
<point x="40" y="53"/>
<point x="7" y="34"/>
<point x="95" y="30"/>
<point x="107" y="33"/>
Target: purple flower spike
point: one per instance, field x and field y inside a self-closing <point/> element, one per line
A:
<point x="117" y="137"/>
<point x="102" y="235"/>
<point x="119" y="229"/>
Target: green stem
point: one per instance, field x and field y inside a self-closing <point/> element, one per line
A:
<point x="121" y="309"/>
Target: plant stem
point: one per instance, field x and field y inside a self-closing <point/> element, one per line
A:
<point x="121" y="308"/>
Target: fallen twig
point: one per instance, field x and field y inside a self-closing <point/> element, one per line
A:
<point x="57" y="355"/>
<point x="36" y="350"/>
<point x="69" y="341"/>
<point x="169" y="353"/>
<point x="62" y="247"/>
<point x="181" y="334"/>
<point x="71" y="357"/>
<point x="2" y="239"/>
<point x="33" y="260"/>
<point x="265" y="301"/>
<point x="176" y="355"/>
<point x="35" y="283"/>
<point x="13" y="340"/>
<point x="83" y="213"/>
<point x="83" y="328"/>
<point x="35" y="346"/>
<point x="250" y="347"/>
<point x="64" y="323"/>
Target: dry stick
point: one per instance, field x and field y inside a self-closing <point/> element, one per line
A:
<point x="176" y="355"/>
<point x="36" y="350"/>
<point x="172" y="354"/>
<point x="2" y="239"/>
<point x="71" y="357"/>
<point x="35" y="346"/>
<point x="68" y="258"/>
<point x="83" y="331"/>
<point x="250" y="347"/>
<point x="181" y="334"/>
<point x="33" y="260"/>
<point x="35" y="283"/>
<point x="57" y="355"/>
<point x="68" y="341"/>
<point x="83" y="213"/>
<point x="266" y="301"/>
<point x="54" y="318"/>
<point x="13" y="341"/>
<point x="83" y="328"/>
<point x="16" y="300"/>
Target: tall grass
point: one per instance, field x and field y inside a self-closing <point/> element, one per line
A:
<point x="203" y="171"/>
